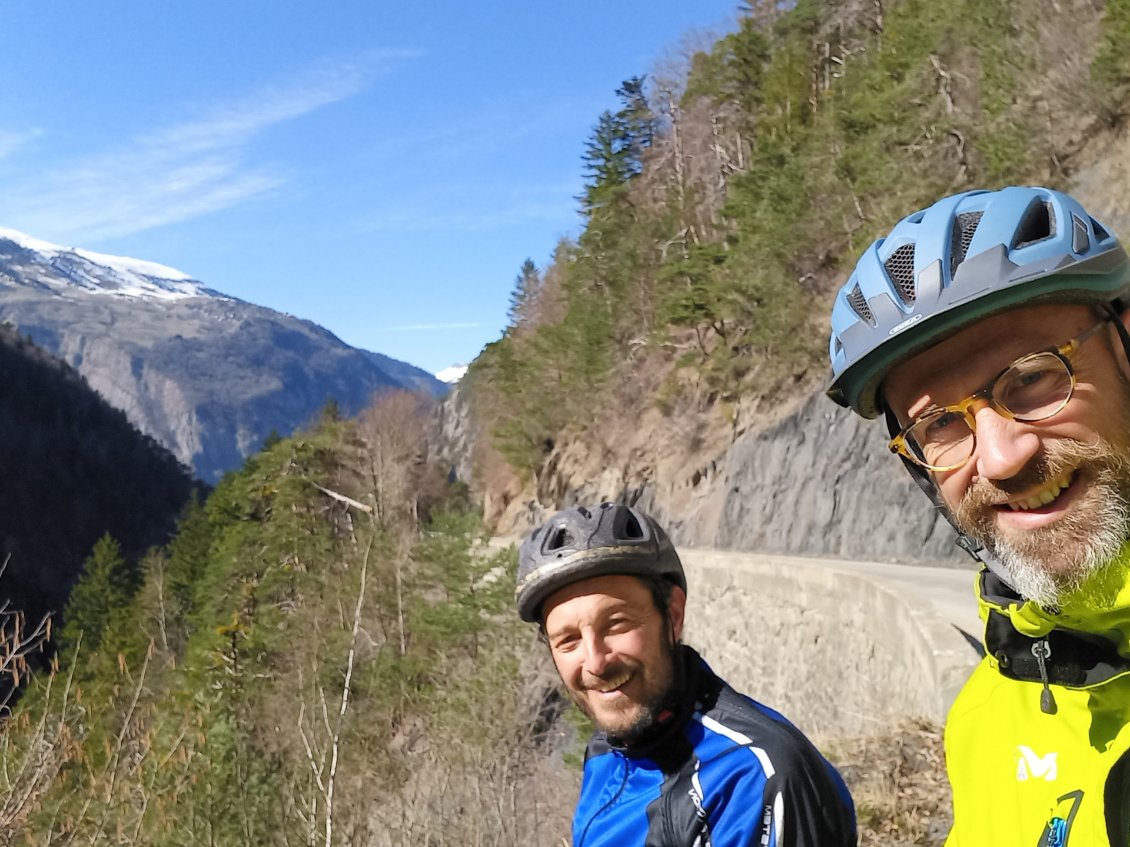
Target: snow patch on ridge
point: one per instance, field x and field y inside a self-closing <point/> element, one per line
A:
<point x="452" y="375"/>
<point x="119" y="276"/>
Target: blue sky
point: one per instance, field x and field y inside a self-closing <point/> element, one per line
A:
<point x="381" y="169"/>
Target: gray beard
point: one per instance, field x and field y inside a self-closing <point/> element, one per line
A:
<point x="1029" y="572"/>
<point x="1049" y="564"/>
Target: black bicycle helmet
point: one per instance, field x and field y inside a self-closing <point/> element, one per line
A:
<point x="579" y="543"/>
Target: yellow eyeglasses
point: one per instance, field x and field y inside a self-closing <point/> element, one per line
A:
<point x="1033" y="388"/>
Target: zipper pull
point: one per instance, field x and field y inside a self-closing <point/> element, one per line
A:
<point x="1042" y="650"/>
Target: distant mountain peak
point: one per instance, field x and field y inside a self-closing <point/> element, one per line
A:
<point x="206" y="375"/>
<point x="452" y="375"/>
<point x="99" y="273"/>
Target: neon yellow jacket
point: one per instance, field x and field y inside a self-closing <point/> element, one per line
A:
<point x="1038" y="756"/>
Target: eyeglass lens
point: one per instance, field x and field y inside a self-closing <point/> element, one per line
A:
<point x="1032" y="389"/>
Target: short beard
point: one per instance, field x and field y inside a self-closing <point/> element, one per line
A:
<point x="647" y="721"/>
<point x="653" y="708"/>
<point x="1051" y="563"/>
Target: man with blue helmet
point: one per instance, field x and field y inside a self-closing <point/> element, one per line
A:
<point x="990" y="331"/>
<point x="679" y="758"/>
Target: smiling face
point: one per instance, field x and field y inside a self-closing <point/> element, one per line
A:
<point x="1050" y="499"/>
<point x="614" y="650"/>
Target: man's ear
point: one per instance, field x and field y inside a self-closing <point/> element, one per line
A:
<point x="676" y="606"/>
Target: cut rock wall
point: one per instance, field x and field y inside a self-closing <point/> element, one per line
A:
<point x="819" y="482"/>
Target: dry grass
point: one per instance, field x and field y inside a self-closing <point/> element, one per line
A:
<point x="899" y="784"/>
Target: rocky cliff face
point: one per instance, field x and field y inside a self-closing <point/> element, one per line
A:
<point x="452" y="441"/>
<point x="819" y="482"/>
<point x="822" y="482"/>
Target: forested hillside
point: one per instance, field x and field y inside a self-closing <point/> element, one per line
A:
<point x="74" y="470"/>
<point x="324" y="654"/>
<point x="729" y="192"/>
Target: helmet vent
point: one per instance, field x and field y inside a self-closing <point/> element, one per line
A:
<point x="560" y="538"/>
<point x="966" y="226"/>
<point x="1038" y="224"/>
<point x="900" y="268"/>
<point x="860" y="306"/>
<point x="631" y="528"/>
<point x="1101" y="233"/>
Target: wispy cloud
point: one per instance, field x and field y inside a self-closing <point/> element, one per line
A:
<point x="181" y="171"/>
<point x="428" y="327"/>
<point x="504" y="127"/>
<point x="10" y="140"/>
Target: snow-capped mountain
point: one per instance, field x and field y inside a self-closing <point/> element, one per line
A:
<point x="207" y="375"/>
<point x="452" y="375"/>
<point x="99" y="273"/>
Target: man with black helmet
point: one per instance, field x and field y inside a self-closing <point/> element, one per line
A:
<point x="990" y="330"/>
<point x="679" y="758"/>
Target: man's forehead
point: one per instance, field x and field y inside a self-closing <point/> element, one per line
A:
<point x="976" y="353"/>
<point x="599" y="593"/>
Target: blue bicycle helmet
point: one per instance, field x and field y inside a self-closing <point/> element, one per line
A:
<point x="966" y="257"/>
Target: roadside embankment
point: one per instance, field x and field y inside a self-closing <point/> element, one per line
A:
<point x="841" y="647"/>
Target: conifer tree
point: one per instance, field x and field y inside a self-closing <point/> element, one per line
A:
<point x="614" y="153"/>
<point x="526" y="286"/>
<point x="331" y="411"/>
<point x="187" y="562"/>
<point x="638" y="121"/>
<point x="605" y="164"/>
<point x="104" y="588"/>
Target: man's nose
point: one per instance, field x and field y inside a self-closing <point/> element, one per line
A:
<point x="1004" y="447"/>
<point x="597" y="654"/>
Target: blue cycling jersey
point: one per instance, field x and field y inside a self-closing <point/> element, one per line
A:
<point x="723" y="771"/>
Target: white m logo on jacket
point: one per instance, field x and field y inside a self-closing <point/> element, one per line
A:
<point x="1032" y="766"/>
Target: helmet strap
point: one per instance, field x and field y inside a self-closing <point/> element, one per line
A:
<point x="1115" y="309"/>
<point x="925" y="481"/>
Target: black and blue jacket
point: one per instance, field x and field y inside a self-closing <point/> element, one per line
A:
<point x="722" y="771"/>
